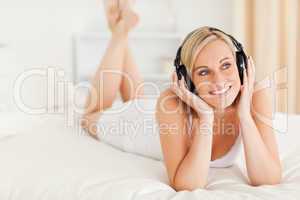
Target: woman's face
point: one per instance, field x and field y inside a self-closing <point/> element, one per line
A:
<point x="215" y="75"/>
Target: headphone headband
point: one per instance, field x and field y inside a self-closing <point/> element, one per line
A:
<point x="178" y="59"/>
<point x="236" y="43"/>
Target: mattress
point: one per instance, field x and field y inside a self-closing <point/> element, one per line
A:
<point x="50" y="157"/>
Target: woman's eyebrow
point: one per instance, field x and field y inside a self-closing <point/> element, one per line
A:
<point x="224" y="59"/>
<point x="198" y="67"/>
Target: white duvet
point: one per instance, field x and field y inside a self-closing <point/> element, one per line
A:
<point x="43" y="158"/>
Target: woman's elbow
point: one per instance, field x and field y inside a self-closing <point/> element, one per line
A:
<point x="273" y="180"/>
<point x="190" y="186"/>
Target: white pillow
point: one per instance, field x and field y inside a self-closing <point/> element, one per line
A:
<point x="287" y="128"/>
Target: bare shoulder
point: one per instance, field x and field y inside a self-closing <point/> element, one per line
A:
<point x="169" y="108"/>
<point x="169" y="102"/>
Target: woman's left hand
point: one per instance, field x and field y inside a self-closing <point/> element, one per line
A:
<point x="244" y="102"/>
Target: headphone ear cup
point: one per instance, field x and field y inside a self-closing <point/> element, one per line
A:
<point x="178" y="72"/>
<point x="241" y="63"/>
<point x="183" y="71"/>
<point x="188" y="80"/>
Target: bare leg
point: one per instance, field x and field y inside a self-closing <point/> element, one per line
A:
<point x="108" y="78"/>
<point x="132" y="82"/>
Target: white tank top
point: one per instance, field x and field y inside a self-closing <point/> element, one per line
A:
<point x="229" y="158"/>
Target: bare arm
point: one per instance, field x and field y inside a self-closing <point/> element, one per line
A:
<point x="262" y="167"/>
<point x="186" y="160"/>
<point x="193" y="170"/>
<point x="261" y="154"/>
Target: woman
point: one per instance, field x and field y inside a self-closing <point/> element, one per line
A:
<point x="208" y="126"/>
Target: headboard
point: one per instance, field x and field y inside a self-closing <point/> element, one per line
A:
<point x="153" y="52"/>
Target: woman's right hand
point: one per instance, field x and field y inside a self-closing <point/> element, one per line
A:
<point x="202" y="109"/>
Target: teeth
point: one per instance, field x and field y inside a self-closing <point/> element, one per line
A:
<point x="220" y="91"/>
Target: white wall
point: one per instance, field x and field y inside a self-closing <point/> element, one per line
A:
<point x="195" y="13"/>
<point x="39" y="33"/>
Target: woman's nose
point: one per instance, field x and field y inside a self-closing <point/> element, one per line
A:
<point x="218" y="78"/>
<point x="219" y="81"/>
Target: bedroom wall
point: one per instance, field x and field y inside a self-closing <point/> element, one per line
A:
<point x="39" y="33"/>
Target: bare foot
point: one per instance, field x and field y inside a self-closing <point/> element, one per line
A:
<point x="126" y="4"/>
<point x="112" y="12"/>
<point x="120" y="16"/>
<point x="129" y="20"/>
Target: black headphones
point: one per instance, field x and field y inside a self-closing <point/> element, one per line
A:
<point x="241" y="61"/>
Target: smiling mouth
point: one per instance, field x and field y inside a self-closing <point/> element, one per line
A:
<point x="219" y="92"/>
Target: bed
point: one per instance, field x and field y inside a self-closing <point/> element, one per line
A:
<point x="48" y="156"/>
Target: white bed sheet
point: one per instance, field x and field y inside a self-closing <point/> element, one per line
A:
<point x="42" y="158"/>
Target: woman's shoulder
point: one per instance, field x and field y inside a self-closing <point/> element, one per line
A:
<point x="167" y="93"/>
<point x="168" y="103"/>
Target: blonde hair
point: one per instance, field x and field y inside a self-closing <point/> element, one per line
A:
<point x="197" y="40"/>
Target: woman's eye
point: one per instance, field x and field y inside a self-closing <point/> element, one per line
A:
<point x="226" y="65"/>
<point x="203" y="72"/>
